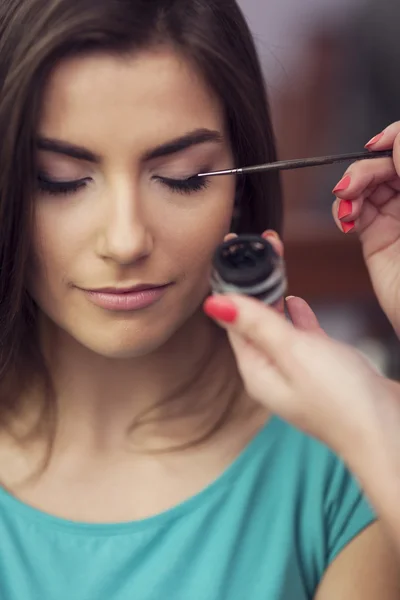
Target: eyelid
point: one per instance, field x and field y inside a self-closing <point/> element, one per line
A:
<point x="49" y="182"/>
<point x="174" y="179"/>
<point x="184" y="174"/>
<point x="43" y="176"/>
<point x="61" y="169"/>
<point x="58" y="187"/>
<point x="189" y="185"/>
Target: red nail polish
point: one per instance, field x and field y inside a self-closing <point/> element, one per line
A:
<point x="347" y="227"/>
<point x="220" y="309"/>
<point x="345" y="209"/>
<point x="375" y="139"/>
<point x="270" y="232"/>
<point x="343" y="184"/>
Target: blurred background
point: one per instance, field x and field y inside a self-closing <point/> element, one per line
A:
<point x="332" y="70"/>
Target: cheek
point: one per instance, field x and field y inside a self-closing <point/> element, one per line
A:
<point x="47" y="270"/>
<point x="54" y="244"/>
<point x="193" y="237"/>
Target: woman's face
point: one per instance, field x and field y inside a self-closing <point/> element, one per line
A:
<point x="111" y="130"/>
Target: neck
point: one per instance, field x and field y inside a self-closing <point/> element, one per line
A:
<point x="172" y="397"/>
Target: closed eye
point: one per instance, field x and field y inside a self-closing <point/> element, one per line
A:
<point x="53" y="187"/>
<point x="189" y="185"/>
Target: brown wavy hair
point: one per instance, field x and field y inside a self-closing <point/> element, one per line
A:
<point x="34" y="36"/>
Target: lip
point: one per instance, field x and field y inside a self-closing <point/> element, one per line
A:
<point x="127" y="299"/>
<point x="128" y="289"/>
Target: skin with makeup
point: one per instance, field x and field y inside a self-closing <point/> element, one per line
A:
<point x="320" y="385"/>
<point x="165" y="476"/>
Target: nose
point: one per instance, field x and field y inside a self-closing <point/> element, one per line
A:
<point x="125" y="237"/>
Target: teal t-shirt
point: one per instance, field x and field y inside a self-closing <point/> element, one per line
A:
<point x="267" y="529"/>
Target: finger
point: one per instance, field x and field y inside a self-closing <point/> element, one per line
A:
<point x="270" y="233"/>
<point x="259" y="324"/>
<point x="258" y="373"/>
<point x="345" y="211"/>
<point x="229" y="237"/>
<point x="302" y="316"/>
<point x="365" y="176"/>
<point x="385" y="139"/>
<point x="273" y="238"/>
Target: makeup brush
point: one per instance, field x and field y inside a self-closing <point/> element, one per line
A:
<point x="286" y="165"/>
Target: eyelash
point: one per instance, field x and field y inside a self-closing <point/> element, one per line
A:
<point x="185" y="186"/>
<point x="182" y="186"/>
<point x="59" y="188"/>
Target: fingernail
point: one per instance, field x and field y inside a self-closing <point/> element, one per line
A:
<point x="270" y="233"/>
<point x="347" y="227"/>
<point x="289" y="298"/>
<point x="345" y="209"/>
<point x="375" y="139"/>
<point x="343" y="184"/>
<point x="220" y="309"/>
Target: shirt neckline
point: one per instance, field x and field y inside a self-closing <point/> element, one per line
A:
<point x="264" y="437"/>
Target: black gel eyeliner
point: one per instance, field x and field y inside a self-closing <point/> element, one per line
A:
<point x="249" y="265"/>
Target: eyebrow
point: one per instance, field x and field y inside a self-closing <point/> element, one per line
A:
<point x="193" y="138"/>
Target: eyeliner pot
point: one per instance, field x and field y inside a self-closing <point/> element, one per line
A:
<point x="249" y="265"/>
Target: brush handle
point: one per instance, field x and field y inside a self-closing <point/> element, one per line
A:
<point x="286" y="165"/>
<point x="316" y="162"/>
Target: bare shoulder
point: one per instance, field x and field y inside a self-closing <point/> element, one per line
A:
<point x="367" y="569"/>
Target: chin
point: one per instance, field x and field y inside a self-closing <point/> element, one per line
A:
<point x="128" y="343"/>
<point x="123" y="337"/>
<point x="125" y="340"/>
<point x="126" y="352"/>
